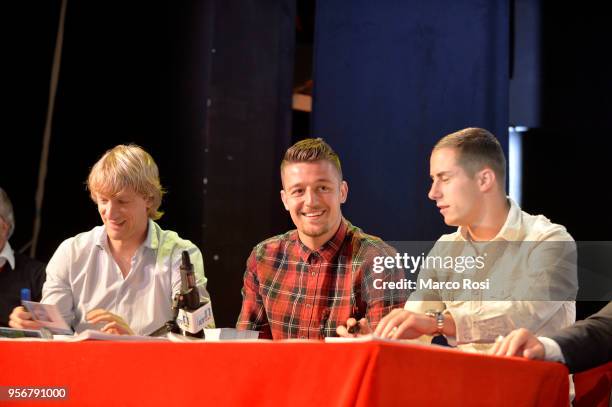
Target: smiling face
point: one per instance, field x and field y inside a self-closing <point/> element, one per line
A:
<point x="457" y="195"/>
<point x="312" y="193"/>
<point x="124" y="215"/>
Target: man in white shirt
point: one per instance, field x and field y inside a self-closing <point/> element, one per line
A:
<point x="530" y="268"/>
<point x="119" y="277"/>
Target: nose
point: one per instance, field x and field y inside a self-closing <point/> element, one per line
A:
<point x="310" y="197"/>
<point x="111" y="210"/>
<point x="434" y="191"/>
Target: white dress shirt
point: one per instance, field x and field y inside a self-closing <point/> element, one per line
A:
<point x="7" y="255"/>
<point x="552" y="350"/>
<point x="527" y="281"/>
<point x="82" y="275"/>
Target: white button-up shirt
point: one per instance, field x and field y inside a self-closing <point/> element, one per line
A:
<point x="82" y="275"/>
<point x="531" y="270"/>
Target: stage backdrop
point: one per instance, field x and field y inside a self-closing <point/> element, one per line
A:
<point x="391" y="78"/>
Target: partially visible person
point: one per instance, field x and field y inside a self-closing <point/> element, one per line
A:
<point x="528" y="284"/>
<point x="17" y="271"/>
<point x="308" y="281"/>
<point x="582" y="346"/>
<point x="120" y="277"/>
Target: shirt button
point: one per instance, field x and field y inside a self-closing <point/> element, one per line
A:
<point x="313" y="274"/>
<point x="308" y="305"/>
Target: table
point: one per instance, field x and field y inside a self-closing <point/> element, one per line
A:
<point x="375" y="373"/>
<point x="593" y="387"/>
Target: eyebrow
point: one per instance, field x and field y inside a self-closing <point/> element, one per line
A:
<point x="301" y="184"/>
<point x="116" y="195"/>
<point x="441" y="174"/>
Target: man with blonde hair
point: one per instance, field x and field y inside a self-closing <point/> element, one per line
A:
<point x="119" y="277"/>
<point x="304" y="283"/>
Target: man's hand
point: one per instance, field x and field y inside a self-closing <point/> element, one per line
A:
<point x="403" y="324"/>
<point x="22" y="319"/>
<point x="115" y="324"/>
<point x="519" y="342"/>
<point x="354" y="329"/>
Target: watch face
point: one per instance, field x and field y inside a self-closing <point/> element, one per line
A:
<point x="438" y="316"/>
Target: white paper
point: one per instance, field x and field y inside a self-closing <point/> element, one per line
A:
<point x="359" y="338"/>
<point x="90" y="334"/>
<point x="48" y="315"/>
<point x="216" y="335"/>
<point x="222" y="334"/>
<point x="373" y="338"/>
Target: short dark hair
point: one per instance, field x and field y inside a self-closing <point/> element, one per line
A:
<point x="310" y="150"/>
<point x="477" y="148"/>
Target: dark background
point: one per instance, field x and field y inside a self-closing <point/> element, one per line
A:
<point x="205" y="87"/>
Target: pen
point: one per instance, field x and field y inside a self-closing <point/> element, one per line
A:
<point x="354" y="330"/>
<point x="25" y="295"/>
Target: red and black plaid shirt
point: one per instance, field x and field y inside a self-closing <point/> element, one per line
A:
<point x="291" y="291"/>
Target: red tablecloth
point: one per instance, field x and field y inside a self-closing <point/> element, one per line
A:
<point x="593" y="387"/>
<point x="278" y="373"/>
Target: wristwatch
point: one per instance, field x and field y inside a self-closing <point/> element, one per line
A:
<point x="438" y="316"/>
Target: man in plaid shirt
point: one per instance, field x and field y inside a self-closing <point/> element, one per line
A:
<point x="308" y="281"/>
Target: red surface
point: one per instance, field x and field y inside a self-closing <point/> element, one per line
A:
<point x="278" y="373"/>
<point x="593" y="387"/>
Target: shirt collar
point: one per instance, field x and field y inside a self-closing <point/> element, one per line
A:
<point x="329" y="249"/>
<point x="151" y="241"/>
<point x="511" y="229"/>
<point x="7" y="253"/>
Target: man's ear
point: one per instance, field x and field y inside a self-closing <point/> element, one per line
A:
<point x="343" y="191"/>
<point x="284" y="199"/>
<point x="486" y="179"/>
